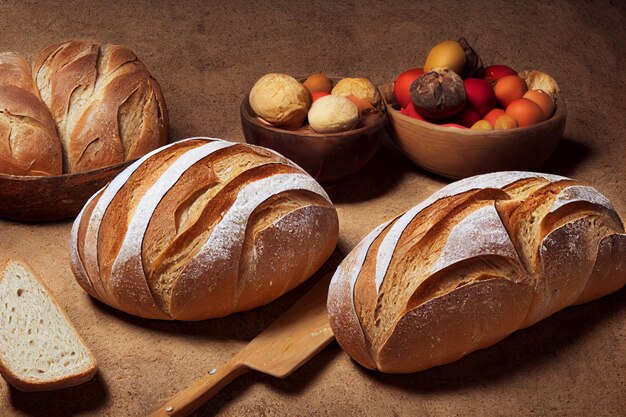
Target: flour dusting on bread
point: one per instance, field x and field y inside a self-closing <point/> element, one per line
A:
<point x="476" y="261"/>
<point x="151" y="255"/>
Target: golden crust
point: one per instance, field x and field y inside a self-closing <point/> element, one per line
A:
<point x="28" y="140"/>
<point x="103" y="108"/>
<point x="449" y="327"/>
<point x="471" y="265"/>
<point x="203" y="228"/>
<point x="107" y="107"/>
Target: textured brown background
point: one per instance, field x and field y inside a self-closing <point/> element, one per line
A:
<point x="206" y="55"/>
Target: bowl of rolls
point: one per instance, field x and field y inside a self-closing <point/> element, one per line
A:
<point x="456" y="117"/>
<point x="330" y="126"/>
<point x="81" y="115"/>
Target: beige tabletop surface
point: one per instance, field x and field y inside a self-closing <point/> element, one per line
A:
<point x="207" y="55"/>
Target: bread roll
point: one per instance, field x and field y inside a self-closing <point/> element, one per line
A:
<point x="476" y="261"/>
<point x="28" y="141"/>
<point x="106" y="106"/>
<point x="202" y="228"/>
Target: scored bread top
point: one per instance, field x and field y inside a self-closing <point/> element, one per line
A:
<point x="106" y="106"/>
<point x="199" y="228"/>
<point x="28" y="141"/>
<point x="14" y="70"/>
<point x="508" y="249"/>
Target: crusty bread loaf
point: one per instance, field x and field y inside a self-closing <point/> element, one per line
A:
<point x="476" y="261"/>
<point x="202" y="228"/>
<point x="28" y="141"/>
<point x="40" y="350"/>
<point x="106" y="106"/>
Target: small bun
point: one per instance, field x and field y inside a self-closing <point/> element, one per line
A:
<point x="537" y="80"/>
<point x="331" y="114"/>
<point x="358" y="87"/>
<point x="281" y="100"/>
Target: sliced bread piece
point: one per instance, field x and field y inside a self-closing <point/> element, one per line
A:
<point x="40" y="349"/>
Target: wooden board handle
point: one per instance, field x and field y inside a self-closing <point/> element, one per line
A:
<point x="189" y="400"/>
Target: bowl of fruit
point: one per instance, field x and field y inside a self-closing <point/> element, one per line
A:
<point x="329" y="126"/>
<point x="457" y="118"/>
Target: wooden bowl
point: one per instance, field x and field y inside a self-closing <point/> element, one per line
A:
<point x="458" y="153"/>
<point x="27" y="198"/>
<point x="328" y="158"/>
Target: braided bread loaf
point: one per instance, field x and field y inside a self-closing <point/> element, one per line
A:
<point x="476" y="261"/>
<point x="28" y="139"/>
<point x="202" y="228"/>
<point x="106" y="106"/>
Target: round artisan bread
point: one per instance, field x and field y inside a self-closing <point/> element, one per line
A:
<point x="202" y="228"/>
<point x="478" y="260"/>
<point x="28" y="141"/>
<point x="106" y="105"/>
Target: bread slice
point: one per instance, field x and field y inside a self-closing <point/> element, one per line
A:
<point x="40" y="350"/>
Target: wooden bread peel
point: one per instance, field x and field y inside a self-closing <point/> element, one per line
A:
<point x="294" y="338"/>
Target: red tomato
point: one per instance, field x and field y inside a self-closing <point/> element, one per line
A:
<point x="319" y="94"/>
<point x="480" y="95"/>
<point x="403" y="83"/>
<point x="411" y="112"/>
<point x="467" y="117"/>
<point x="495" y="72"/>
<point x="454" y="125"/>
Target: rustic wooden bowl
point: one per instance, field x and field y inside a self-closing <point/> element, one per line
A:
<point x="28" y="199"/>
<point x="458" y="153"/>
<point x="329" y="158"/>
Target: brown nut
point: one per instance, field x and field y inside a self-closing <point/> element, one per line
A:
<point x="505" y="122"/>
<point x="482" y="125"/>
<point x="473" y="64"/>
<point x="438" y="94"/>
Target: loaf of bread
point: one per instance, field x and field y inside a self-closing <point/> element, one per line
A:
<point x="202" y="228"/>
<point x="106" y="106"/>
<point x="28" y="139"/>
<point x="476" y="261"/>
<point x="40" y="350"/>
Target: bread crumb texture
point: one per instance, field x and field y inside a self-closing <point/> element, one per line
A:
<point x="37" y="343"/>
